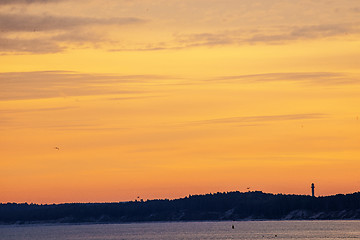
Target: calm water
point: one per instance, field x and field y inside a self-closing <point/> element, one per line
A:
<point x="188" y="230"/>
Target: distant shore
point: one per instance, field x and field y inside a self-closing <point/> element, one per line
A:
<point x="227" y="206"/>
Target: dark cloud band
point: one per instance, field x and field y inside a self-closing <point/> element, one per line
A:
<point x="59" y="29"/>
<point x="26" y="23"/>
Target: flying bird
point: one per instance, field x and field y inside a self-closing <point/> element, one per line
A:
<point x="57" y="148"/>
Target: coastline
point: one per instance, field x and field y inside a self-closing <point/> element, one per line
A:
<point x="230" y="206"/>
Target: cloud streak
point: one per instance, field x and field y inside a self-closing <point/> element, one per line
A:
<point x="11" y="111"/>
<point x="261" y="23"/>
<point x="11" y="2"/>
<point x="30" y="23"/>
<point x="50" y="84"/>
<point x="318" y="78"/>
<point x="47" y="33"/>
<point x="29" y="45"/>
<point x="260" y="119"/>
<point x="257" y="35"/>
<point x="273" y="35"/>
<point x="309" y="32"/>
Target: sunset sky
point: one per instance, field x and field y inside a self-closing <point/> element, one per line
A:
<point x="166" y="98"/>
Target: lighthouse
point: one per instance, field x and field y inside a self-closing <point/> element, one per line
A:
<point x="313" y="189"/>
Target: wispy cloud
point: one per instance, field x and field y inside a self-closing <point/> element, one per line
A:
<point x="269" y="35"/>
<point x="47" y="33"/>
<point x="309" y="32"/>
<point x="23" y="22"/>
<point x="80" y="127"/>
<point x="29" y="45"/>
<point x="49" y="84"/>
<point x="9" y="2"/>
<point x="131" y="98"/>
<point x="259" y="119"/>
<point x="319" y="78"/>
<point x="11" y="111"/>
<point x="260" y="23"/>
<point x="355" y="9"/>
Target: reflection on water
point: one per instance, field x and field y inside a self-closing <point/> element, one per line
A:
<point x="187" y="230"/>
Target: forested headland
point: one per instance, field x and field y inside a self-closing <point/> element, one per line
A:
<point x="254" y="205"/>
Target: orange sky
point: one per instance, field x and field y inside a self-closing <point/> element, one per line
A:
<point x="161" y="99"/>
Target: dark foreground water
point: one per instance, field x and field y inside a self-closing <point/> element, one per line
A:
<point x="187" y="230"/>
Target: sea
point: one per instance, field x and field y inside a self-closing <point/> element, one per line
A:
<point x="249" y="230"/>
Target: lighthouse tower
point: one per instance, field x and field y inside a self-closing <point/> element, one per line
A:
<point x="313" y="189"/>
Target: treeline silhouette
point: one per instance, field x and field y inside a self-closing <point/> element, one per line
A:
<point x="218" y="206"/>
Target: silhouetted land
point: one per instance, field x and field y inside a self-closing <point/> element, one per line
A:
<point x="218" y="206"/>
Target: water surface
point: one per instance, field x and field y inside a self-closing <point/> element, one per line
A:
<point x="187" y="230"/>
